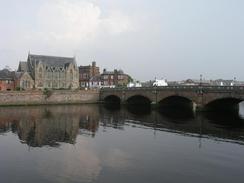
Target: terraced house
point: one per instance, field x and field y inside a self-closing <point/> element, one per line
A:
<point x="49" y="72"/>
<point x="7" y="80"/>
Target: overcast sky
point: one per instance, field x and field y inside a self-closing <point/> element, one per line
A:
<point x="174" y="39"/>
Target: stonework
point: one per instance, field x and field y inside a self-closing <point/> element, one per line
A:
<point x="51" y="72"/>
<point x="35" y="97"/>
<point x="26" y="82"/>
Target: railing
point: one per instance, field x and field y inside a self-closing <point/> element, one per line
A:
<point x="193" y="88"/>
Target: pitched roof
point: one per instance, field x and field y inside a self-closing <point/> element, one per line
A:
<point x="113" y="72"/>
<point x="5" y="74"/>
<point x="22" y="66"/>
<point x="51" y="60"/>
<point x="96" y="78"/>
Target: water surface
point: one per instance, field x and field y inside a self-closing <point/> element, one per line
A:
<point x="91" y="143"/>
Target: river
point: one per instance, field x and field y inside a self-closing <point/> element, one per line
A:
<point x="100" y="144"/>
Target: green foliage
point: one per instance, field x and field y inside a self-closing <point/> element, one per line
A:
<point x="130" y="79"/>
<point x="18" y="88"/>
<point x="47" y="92"/>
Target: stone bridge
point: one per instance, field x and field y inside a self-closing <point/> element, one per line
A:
<point x="200" y="97"/>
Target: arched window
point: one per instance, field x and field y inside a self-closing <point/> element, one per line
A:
<point x="71" y="74"/>
<point x="40" y="72"/>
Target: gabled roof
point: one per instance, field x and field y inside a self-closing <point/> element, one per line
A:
<point x="5" y="74"/>
<point x="51" y="60"/>
<point x="113" y="72"/>
<point x="22" y="66"/>
<point x="96" y="78"/>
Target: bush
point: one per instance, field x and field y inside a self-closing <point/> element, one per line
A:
<point x="47" y="92"/>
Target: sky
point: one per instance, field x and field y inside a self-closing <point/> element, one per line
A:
<point x="172" y="39"/>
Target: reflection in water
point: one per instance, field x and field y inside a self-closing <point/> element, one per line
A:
<point x="139" y="109"/>
<point x="100" y="144"/>
<point x="181" y="115"/>
<point x="51" y="125"/>
<point x="39" y="126"/>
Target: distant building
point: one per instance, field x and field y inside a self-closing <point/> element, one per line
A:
<point x="194" y="82"/>
<point x="114" y="78"/>
<point x="95" y="82"/>
<point x="86" y="73"/>
<point x="147" y="83"/>
<point x="160" y="82"/>
<point x="49" y="72"/>
<point x="7" y="80"/>
<point x="134" y="84"/>
<point x="222" y="82"/>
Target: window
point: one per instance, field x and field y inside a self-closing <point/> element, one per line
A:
<point x="71" y="74"/>
<point x="55" y="84"/>
<point x="49" y="75"/>
<point x="40" y="73"/>
<point x="120" y="77"/>
<point x="62" y="75"/>
<point x="55" y="75"/>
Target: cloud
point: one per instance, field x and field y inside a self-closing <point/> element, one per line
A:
<point x="73" y="22"/>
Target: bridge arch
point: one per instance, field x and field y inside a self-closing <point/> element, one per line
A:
<point x="224" y="103"/>
<point x="112" y="99"/>
<point x="177" y="102"/>
<point x="138" y="100"/>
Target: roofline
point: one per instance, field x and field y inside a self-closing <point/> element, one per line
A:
<point x="50" y="56"/>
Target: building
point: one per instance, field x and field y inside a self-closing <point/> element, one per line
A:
<point x="49" y="72"/>
<point x="23" y="81"/>
<point x="7" y="80"/>
<point x="86" y="73"/>
<point x="114" y="78"/>
<point x="95" y="82"/>
<point x="136" y="84"/>
<point x="160" y="82"/>
<point x="195" y="82"/>
<point x="222" y="82"/>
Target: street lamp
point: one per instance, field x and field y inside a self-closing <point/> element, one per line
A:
<point x="200" y="79"/>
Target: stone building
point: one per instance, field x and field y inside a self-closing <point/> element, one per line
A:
<point x="49" y="72"/>
<point x="86" y="73"/>
<point x="24" y="81"/>
<point x="114" y="78"/>
<point x="7" y="79"/>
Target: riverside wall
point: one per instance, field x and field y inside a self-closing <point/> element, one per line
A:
<point x="8" y="98"/>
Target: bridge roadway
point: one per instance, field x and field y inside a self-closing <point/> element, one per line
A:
<point x="201" y="97"/>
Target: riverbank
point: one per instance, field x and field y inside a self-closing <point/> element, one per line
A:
<point x="14" y="98"/>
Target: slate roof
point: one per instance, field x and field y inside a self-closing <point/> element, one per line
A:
<point x="112" y="72"/>
<point x="51" y="60"/>
<point x="18" y="75"/>
<point x="22" y="66"/>
<point x="5" y="74"/>
<point x="96" y="78"/>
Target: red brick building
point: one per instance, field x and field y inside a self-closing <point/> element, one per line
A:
<point x="86" y="73"/>
<point x="7" y="80"/>
<point x="114" y="78"/>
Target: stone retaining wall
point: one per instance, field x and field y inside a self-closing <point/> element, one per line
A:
<point x="50" y="97"/>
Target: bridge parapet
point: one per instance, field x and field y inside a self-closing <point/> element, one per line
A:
<point x="205" y="88"/>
